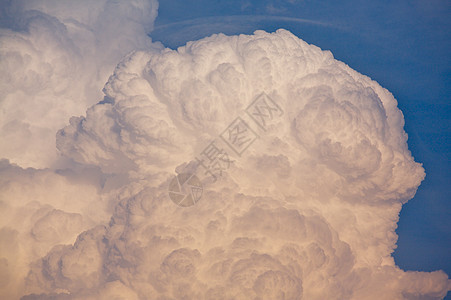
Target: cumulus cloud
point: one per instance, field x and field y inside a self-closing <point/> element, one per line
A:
<point x="307" y="211"/>
<point x="55" y="57"/>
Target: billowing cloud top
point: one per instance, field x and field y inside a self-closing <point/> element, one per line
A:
<point x="307" y="211"/>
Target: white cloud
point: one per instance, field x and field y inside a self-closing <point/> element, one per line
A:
<point x="55" y="58"/>
<point x="308" y="211"/>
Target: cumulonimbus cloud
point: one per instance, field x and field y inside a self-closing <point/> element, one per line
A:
<point x="308" y="211"/>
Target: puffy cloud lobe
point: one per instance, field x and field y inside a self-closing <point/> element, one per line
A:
<point x="307" y="212"/>
<point x="55" y="57"/>
<point x="39" y="210"/>
<point x="145" y="132"/>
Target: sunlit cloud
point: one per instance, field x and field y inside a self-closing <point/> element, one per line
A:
<point x="302" y="162"/>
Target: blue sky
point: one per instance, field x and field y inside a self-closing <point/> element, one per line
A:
<point x="403" y="45"/>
